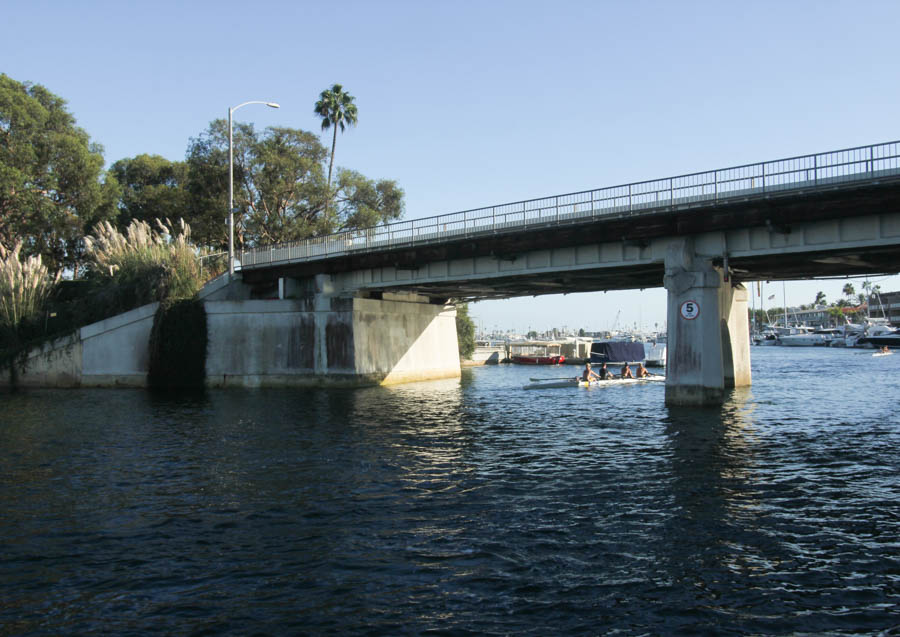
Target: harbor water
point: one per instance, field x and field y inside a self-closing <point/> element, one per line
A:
<point x="459" y="507"/>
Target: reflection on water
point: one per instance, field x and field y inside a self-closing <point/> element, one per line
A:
<point x="457" y="506"/>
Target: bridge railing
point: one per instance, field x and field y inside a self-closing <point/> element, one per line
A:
<point x="808" y="172"/>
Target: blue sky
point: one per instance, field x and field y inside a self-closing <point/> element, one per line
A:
<point x="468" y="104"/>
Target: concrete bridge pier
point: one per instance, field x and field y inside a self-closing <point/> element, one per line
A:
<point x="708" y="330"/>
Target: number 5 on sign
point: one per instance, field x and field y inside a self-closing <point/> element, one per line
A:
<point x="690" y="310"/>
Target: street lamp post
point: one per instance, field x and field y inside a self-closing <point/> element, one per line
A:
<point x="231" y="182"/>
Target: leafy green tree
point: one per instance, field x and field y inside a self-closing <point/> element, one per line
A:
<point x="465" y="331"/>
<point x="152" y="187"/>
<point x="820" y="298"/>
<point x="280" y="189"/>
<point x="363" y="203"/>
<point x="278" y="184"/>
<point x="758" y="317"/>
<point x="52" y="190"/>
<point x="337" y="110"/>
<point x="836" y="314"/>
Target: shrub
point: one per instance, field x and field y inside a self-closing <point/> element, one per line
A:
<point x="144" y="265"/>
<point x="465" y="331"/>
<point x="24" y="287"/>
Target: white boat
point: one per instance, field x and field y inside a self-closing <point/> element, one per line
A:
<point x="879" y="335"/>
<point x="798" y="337"/>
<point x="848" y="335"/>
<point x="766" y="337"/>
<point x="882" y="340"/>
<point x="551" y="383"/>
<point x="821" y="337"/>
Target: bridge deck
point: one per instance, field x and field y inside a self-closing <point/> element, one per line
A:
<point x="841" y="169"/>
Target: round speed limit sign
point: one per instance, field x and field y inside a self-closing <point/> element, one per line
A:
<point x="690" y="310"/>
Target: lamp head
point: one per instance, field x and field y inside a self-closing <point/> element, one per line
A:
<point x="273" y="105"/>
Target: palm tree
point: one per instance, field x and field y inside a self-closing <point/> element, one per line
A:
<point x="868" y="288"/>
<point x="337" y="110"/>
<point x="848" y="290"/>
<point x="820" y="299"/>
<point x="876" y="292"/>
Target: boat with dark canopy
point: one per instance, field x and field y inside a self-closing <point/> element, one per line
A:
<point x="617" y="352"/>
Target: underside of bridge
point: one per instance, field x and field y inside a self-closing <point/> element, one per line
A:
<point x="810" y="265"/>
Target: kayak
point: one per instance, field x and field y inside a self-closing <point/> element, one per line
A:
<point x="551" y="383"/>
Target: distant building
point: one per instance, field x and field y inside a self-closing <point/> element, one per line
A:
<point x="815" y="317"/>
<point x="886" y="305"/>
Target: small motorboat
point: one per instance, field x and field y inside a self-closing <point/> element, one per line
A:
<point x="536" y="353"/>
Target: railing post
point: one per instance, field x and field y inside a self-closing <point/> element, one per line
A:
<point x="671" y="192"/>
<point x="716" y="187"/>
<point x="630" y="208"/>
<point x="815" y="170"/>
<point x="764" y="176"/>
<point x="556" y="200"/>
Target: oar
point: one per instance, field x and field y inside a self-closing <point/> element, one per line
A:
<point x="555" y="378"/>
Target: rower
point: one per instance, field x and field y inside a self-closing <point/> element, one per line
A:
<point x="641" y="371"/>
<point x="605" y="374"/>
<point x="587" y="375"/>
<point x="626" y="371"/>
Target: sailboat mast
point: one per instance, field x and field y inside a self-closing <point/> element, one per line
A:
<point x="784" y="298"/>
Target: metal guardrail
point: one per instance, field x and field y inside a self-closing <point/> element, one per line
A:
<point x="829" y="170"/>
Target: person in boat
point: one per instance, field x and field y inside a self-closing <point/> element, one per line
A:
<point x="641" y="371"/>
<point x="605" y="374"/>
<point x="885" y="349"/>
<point x="626" y="371"/>
<point x="588" y="374"/>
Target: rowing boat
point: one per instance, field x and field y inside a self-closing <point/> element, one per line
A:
<point x="551" y="383"/>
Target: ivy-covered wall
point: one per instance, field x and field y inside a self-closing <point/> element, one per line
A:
<point x="178" y="343"/>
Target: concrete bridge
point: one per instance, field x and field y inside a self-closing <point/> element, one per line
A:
<point x="376" y="305"/>
<point x="699" y="235"/>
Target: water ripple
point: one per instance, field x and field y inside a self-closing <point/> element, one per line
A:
<point x="457" y="507"/>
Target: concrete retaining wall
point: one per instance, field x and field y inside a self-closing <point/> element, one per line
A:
<point x="110" y="353"/>
<point x="115" y="351"/>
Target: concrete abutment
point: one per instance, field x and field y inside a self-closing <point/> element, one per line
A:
<point x="320" y="337"/>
